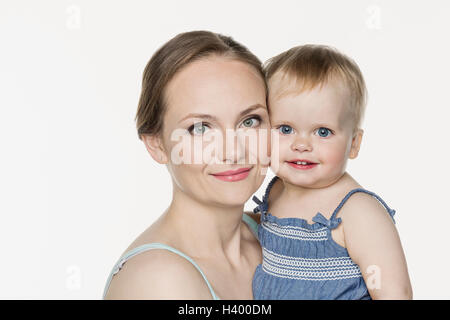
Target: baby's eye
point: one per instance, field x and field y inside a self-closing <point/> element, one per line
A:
<point x="198" y="128"/>
<point x="252" y="122"/>
<point x="324" y="132"/>
<point x="285" y="129"/>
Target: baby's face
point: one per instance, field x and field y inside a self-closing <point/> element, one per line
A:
<point x="314" y="131"/>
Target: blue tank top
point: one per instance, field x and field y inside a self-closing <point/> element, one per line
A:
<point x="302" y="261"/>
<point x="156" y="245"/>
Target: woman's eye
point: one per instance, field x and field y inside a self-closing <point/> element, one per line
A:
<point x="285" y="129"/>
<point x="251" y="122"/>
<point x="324" y="132"/>
<point x="198" y="128"/>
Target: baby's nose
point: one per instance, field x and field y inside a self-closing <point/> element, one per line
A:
<point x="302" y="145"/>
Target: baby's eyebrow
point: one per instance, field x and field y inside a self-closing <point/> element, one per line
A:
<point x="278" y="122"/>
<point x="314" y="125"/>
<point x="324" y="124"/>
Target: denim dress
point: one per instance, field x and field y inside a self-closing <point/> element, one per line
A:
<point x="301" y="261"/>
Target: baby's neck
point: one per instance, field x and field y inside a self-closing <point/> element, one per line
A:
<point x="343" y="182"/>
<point x="287" y="198"/>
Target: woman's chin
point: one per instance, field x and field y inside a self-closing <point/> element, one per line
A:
<point x="232" y="195"/>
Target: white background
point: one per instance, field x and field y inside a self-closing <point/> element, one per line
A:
<point x="77" y="185"/>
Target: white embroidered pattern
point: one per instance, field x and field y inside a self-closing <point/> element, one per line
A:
<point x="298" y="233"/>
<point x="309" y="268"/>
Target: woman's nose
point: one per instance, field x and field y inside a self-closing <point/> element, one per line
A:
<point x="234" y="150"/>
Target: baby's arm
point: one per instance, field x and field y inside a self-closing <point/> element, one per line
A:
<point x="373" y="243"/>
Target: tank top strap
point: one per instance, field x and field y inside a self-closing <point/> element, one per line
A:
<point x="252" y="224"/>
<point x="262" y="206"/>
<point x="349" y="194"/>
<point x="149" y="246"/>
<point x="269" y="187"/>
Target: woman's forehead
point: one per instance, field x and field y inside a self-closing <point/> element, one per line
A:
<point x="216" y="86"/>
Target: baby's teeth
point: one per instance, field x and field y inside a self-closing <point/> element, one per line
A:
<point x="301" y="162"/>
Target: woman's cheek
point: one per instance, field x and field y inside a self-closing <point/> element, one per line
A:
<point x="186" y="150"/>
<point x="185" y="174"/>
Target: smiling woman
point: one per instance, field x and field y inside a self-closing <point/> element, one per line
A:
<point x="203" y="246"/>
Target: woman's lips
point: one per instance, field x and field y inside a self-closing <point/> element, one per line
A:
<point x="233" y="175"/>
<point x="304" y="165"/>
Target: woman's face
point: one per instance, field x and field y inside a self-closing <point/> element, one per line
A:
<point x="216" y="131"/>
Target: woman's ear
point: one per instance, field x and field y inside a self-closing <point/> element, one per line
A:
<point x="356" y="143"/>
<point x="155" y="147"/>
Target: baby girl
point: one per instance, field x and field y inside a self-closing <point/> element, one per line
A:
<point x="323" y="235"/>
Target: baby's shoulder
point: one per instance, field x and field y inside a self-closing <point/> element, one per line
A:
<point x="362" y="207"/>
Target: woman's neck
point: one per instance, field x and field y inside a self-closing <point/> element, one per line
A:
<point x="205" y="229"/>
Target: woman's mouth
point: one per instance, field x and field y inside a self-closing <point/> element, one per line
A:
<point x="302" y="164"/>
<point x="233" y="175"/>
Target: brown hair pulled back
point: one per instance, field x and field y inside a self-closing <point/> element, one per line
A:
<point x="181" y="50"/>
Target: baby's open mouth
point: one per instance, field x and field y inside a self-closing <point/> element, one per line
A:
<point x="302" y="164"/>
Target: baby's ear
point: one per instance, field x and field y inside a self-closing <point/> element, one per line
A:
<point x="154" y="146"/>
<point x="356" y="143"/>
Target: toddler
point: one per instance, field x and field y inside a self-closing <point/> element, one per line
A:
<point x="323" y="235"/>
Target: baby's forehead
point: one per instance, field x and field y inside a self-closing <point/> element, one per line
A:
<point x="293" y="100"/>
<point x="282" y="84"/>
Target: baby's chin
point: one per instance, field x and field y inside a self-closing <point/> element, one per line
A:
<point x="301" y="183"/>
<point x="304" y="178"/>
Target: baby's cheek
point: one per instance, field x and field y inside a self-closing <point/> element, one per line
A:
<point x="334" y="156"/>
<point x="262" y="150"/>
<point x="278" y="154"/>
<point x="280" y="148"/>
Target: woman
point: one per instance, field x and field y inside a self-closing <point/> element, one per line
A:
<point x="203" y="246"/>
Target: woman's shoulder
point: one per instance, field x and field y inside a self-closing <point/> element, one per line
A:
<point x="153" y="268"/>
<point x="157" y="274"/>
<point x="255" y="216"/>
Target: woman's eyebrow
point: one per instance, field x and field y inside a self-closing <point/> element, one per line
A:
<point x="213" y="118"/>
<point x="199" y="115"/>
<point x="251" y="108"/>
